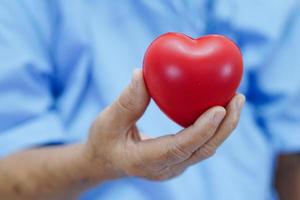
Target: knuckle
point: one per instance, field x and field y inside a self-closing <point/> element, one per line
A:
<point x="127" y="102"/>
<point x="207" y="151"/>
<point x="177" y="152"/>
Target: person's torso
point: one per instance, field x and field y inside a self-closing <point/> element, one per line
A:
<point x="99" y="43"/>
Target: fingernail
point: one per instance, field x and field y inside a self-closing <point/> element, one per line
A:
<point x="240" y="102"/>
<point x="218" y="116"/>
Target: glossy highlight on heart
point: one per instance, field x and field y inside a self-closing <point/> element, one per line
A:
<point x="187" y="76"/>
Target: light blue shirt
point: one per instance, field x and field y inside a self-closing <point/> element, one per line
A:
<point x="62" y="62"/>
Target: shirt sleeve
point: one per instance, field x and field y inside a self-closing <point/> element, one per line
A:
<point x="275" y="90"/>
<point x="28" y="116"/>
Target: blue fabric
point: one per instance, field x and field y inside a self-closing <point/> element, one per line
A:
<point x="61" y="62"/>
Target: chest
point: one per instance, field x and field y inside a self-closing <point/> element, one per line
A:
<point x="108" y="40"/>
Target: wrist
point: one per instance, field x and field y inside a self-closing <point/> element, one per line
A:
<point x="78" y="164"/>
<point x="98" y="168"/>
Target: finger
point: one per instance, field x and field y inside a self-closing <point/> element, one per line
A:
<point x="173" y="149"/>
<point x="230" y="122"/>
<point x="193" y="137"/>
<point x="130" y="105"/>
<point x="225" y="129"/>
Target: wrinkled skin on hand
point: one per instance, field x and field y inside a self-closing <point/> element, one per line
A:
<point x="116" y="145"/>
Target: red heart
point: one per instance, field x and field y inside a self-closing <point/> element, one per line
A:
<point x="186" y="76"/>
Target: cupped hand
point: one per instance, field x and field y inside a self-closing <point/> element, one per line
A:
<point x="116" y="148"/>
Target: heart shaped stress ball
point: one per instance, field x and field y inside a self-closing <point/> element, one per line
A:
<point x="187" y="76"/>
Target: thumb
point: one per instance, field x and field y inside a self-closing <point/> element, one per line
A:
<point x="131" y="104"/>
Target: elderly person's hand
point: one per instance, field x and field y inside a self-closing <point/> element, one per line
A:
<point x="118" y="148"/>
<point x="114" y="149"/>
